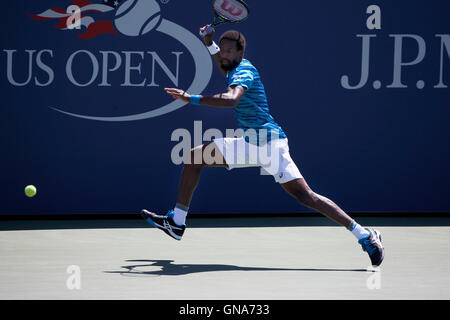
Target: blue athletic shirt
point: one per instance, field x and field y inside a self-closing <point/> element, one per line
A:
<point x="252" y="111"/>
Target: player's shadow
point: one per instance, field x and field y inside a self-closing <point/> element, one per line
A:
<point x="168" y="268"/>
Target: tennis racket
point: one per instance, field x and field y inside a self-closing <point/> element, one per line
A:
<point x="227" y="11"/>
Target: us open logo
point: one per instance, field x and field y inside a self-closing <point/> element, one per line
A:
<point x="119" y="20"/>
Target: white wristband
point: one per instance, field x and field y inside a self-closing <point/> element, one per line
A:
<point x="213" y="49"/>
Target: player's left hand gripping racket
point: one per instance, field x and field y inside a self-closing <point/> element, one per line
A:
<point x="227" y="11"/>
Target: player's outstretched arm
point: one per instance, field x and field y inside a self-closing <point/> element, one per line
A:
<point x="208" y="39"/>
<point x="229" y="99"/>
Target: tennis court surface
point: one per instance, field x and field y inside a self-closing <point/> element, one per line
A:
<point x="222" y="258"/>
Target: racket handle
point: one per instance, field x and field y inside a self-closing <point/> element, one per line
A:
<point x="207" y="31"/>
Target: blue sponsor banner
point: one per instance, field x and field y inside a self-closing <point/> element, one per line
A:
<point x="361" y="89"/>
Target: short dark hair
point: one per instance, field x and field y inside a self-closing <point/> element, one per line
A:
<point x="235" y="36"/>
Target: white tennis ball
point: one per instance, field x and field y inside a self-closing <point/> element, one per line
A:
<point x="137" y="17"/>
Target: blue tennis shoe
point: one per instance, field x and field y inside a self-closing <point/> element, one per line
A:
<point x="164" y="223"/>
<point x="373" y="246"/>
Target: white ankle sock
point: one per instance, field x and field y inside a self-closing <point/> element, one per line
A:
<point x="359" y="232"/>
<point x="179" y="216"/>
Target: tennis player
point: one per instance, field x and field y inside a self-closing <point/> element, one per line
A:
<point x="263" y="144"/>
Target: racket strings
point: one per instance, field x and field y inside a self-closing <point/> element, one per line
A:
<point x="231" y="10"/>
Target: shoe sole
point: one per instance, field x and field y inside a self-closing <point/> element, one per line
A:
<point x="382" y="254"/>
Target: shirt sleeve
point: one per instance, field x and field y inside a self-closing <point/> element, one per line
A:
<point x="242" y="77"/>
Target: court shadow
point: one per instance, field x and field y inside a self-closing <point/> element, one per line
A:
<point x="168" y="268"/>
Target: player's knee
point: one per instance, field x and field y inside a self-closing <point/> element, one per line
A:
<point x="307" y="197"/>
<point x="193" y="166"/>
<point x="193" y="159"/>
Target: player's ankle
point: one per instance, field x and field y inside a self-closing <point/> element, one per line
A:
<point x="358" y="231"/>
<point x="179" y="214"/>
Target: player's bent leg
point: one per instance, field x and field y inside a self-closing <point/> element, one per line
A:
<point x="206" y="155"/>
<point x="173" y="223"/>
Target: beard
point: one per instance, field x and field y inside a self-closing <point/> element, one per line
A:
<point x="231" y="64"/>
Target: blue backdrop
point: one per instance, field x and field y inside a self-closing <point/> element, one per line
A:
<point x="374" y="140"/>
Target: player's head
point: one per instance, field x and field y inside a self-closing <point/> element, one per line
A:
<point x="232" y="47"/>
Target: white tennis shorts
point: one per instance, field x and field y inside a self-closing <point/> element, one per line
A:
<point x="273" y="157"/>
